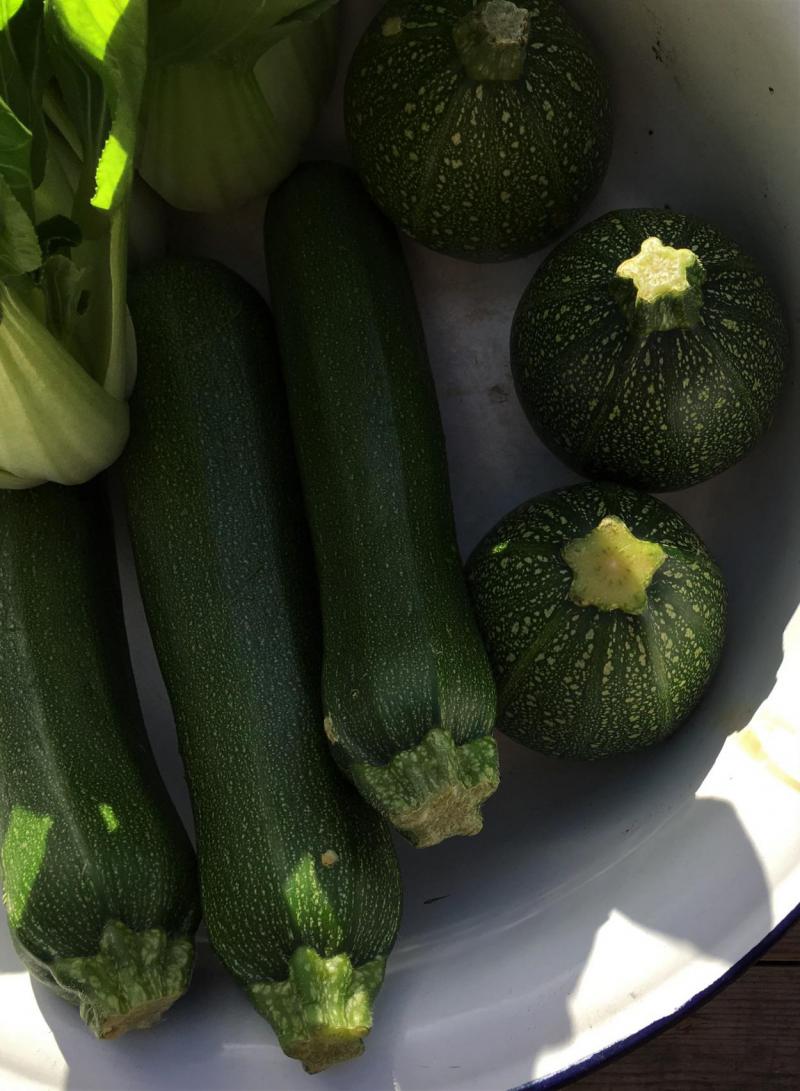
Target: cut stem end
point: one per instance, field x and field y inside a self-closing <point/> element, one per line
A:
<point x="660" y="288"/>
<point x="132" y="980"/>
<point x="433" y="790"/>
<point x="612" y="568"/>
<point x="322" y="1012"/>
<point x="492" y="40"/>
<point x="140" y="1018"/>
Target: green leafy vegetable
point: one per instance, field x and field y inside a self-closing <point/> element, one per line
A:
<point x="108" y="39"/>
<point x="232" y="93"/>
<point x="71" y="80"/>
<point x="19" y="245"/>
<point x="15" y="153"/>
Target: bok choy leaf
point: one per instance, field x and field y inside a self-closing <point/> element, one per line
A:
<point x="232" y="93"/>
<point x="71" y="80"/>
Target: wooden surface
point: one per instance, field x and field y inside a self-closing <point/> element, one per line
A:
<point x="747" y="1038"/>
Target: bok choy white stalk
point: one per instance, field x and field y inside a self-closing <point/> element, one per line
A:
<point x="232" y="93"/>
<point x="71" y="77"/>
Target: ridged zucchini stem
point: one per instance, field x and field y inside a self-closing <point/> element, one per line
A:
<point x="492" y="40"/>
<point x="433" y="790"/>
<point x="659" y="288"/>
<point x="612" y="568"/>
<point x="322" y="1012"/>
<point x="130" y="982"/>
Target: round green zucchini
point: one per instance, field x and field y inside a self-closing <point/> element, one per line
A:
<point x="99" y="876"/>
<point x="649" y="350"/>
<point x="299" y="881"/>
<point x="604" y="618"/>
<point x="407" y="689"/>
<point x="481" y="129"/>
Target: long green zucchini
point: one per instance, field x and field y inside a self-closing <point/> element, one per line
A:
<point x="99" y="876"/>
<point x="407" y="689"/>
<point x="299" y="881"/>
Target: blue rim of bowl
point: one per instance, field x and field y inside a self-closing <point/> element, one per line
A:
<point x="625" y="1045"/>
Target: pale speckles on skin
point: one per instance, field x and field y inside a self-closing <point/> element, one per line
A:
<point x="507" y="138"/>
<point x="586" y="682"/>
<point x="71" y="739"/>
<point x="246" y="675"/>
<point x="667" y="413"/>
<point x="407" y="646"/>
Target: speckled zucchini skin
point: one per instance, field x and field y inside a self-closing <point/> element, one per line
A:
<point x="403" y="656"/>
<point x="90" y="839"/>
<point x="290" y="857"/>
<point x="662" y="411"/>
<point x="478" y="169"/>
<point x="575" y="681"/>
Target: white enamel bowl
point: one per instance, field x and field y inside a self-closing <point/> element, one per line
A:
<point x="599" y="901"/>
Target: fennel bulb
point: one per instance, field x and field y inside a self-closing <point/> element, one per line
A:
<point x="231" y="96"/>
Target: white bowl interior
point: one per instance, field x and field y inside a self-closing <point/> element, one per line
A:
<point x="602" y="898"/>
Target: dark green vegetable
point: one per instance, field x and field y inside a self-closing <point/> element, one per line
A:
<point x="299" y="880"/>
<point x="98" y="874"/>
<point x="604" y="617"/>
<point x="649" y="349"/>
<point x="407" y="689"/>
<point x="481" y="129"/>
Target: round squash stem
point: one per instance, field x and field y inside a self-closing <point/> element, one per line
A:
<point x="492" y="40"/>
<point x="659" y="288"/>
<point x="130" y="982"/>
<point x="323" y="1010"/>
<point x="435" y="789"/>
<point x="612" y="568"/>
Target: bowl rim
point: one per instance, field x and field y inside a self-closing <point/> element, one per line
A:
<point x="595" y="1061"/>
